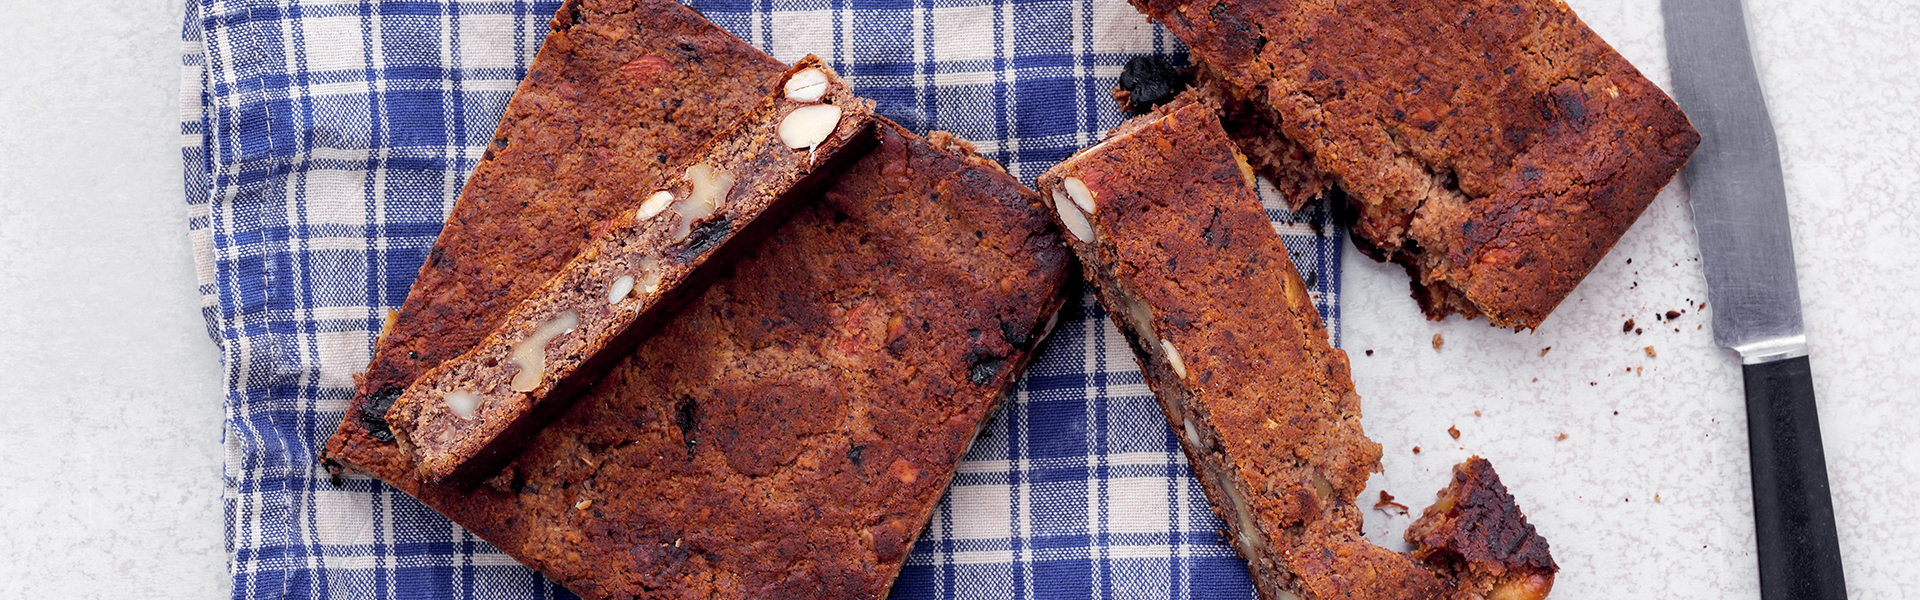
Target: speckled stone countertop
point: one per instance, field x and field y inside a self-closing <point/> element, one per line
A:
<point x="110" y="392"/>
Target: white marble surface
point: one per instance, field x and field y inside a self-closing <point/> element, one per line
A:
<point x="110" y="391"/>
<point x="1648" y="495"/>
<point x="109" y="386"/>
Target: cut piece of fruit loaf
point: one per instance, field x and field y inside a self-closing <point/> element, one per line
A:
<point x="464" y="419"/>
<point x="619" y="101"/>
<point x="1164" y="218"/>
<point x="1495" y="148"/>
<point x="787" y="433"/>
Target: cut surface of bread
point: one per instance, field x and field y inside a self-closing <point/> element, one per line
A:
<point x="620" y="100"/>
<point x="464" y="419"/>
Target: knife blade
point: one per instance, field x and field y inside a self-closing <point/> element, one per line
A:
<point x="1746" y="247"/>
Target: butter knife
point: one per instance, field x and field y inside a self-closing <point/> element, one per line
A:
<point x="1740" y="214"/>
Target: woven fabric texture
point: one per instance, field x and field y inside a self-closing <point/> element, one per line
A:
<point x="325" y="142"/>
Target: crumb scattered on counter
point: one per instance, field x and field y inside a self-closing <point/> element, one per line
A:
<point x="1369" y="353"/>
<point x="1560" y="437"/>
<point x="1673" y="314"/>
<point x="1650" y="353"/>
<point x="1543" y="351"/>
<point x="1453" y="431"/>
<point x="1386" y="502"/>
<point x="1416" y="449"/>
<point x="1438" y="341"/>
<point x="1627" y="327"/>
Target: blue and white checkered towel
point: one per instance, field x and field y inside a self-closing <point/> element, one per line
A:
<point x="325" y="141"/>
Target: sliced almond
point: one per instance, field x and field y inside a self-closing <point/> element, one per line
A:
<point x="619" y="290"/>
<point x="808" y="126"/>
<point x="807" y="86"/>
<point x="1173" y="358"/>
<point x="655" y="204"/>
<point x="1076" y="222"/>
<point x="1081" y="195"/>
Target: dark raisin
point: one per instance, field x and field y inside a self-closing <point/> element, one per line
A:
<point x="984" y="367"/>
<point x="1150" y="81"/>
<point x="373" y="414"/>
<point x="703" y="238"/>
<point x="687" y="417"/>
<point x="1015" y="335"/>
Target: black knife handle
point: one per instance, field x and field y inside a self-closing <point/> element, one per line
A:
<point x="1792" y="509"/>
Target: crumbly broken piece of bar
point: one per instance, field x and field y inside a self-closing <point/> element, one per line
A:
<point x="464" y="419"/>
<point x="787" y="433"/>
<point x="1496" y="148"/>
<point x="1474" y="532"/>
<point x="1164" y="218"/>
<point x="619" y="101"/>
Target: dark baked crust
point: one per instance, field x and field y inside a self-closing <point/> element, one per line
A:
<point x="787" y="433"/>
<point x="665" y="258"/>
<point x="1191" y="271"/>
<point x="622" y="96"/>
<point x="1497" y="149"/>
<point x="1474" y="531"/>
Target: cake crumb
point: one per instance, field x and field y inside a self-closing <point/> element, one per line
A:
<point x="1369" y="353"/>
<point x="1627" y="327"/>
<point x="1438" y="341"/>
<point x="1562" y="436"/>
<point x="1416" y="449"/>
<point x="1543" y="351"/>
<point x="1386" y="502"/>
<point x="1656" y="497"/>
<point x="1650" y="353"/>
<point x="1673" y="314"/>
<point x="1476" y="413"/>
<point x="1638" y="331"/>
<point x="1453" y="431"/>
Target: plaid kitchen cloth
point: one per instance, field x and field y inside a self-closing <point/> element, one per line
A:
<point x="325" y="142"/>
